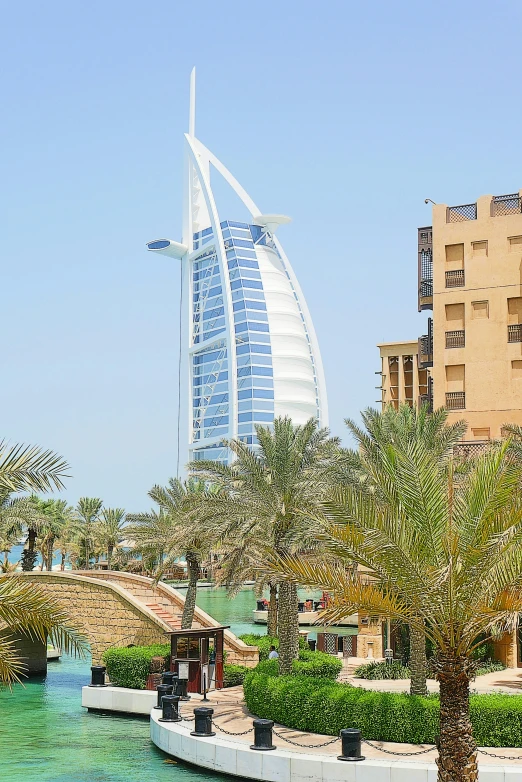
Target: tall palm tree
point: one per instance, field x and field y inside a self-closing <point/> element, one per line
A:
<point x="269" y="496"/>
<point x="448" y="562"/>
<point x="400" y="428"/>
<point x="110" y="530"/>
<point x="15" y="514"/>
<point x="172" y="533"/>
<point x="56" y="515"/>
<point x="87" y="513"/>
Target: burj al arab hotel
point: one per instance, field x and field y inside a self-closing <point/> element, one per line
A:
<point x="248" y="347"/>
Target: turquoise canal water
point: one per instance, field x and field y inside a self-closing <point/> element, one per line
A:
<point x="46" y="736"/>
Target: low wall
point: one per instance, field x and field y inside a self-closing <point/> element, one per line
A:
<point x="120" y="699"/>
<point x="236" y="758"/>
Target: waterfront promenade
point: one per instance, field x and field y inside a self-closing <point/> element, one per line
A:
<point x="231" y="716"/>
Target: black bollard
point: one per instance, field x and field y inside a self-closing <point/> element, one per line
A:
<point x="351" y="740"/>
<point x="98" y="676"/>
<point x="263" y="735"/>
<point x="181" y="689"/>
<point x="312" y="644"/>
<point x="162" y="689"/>
<point x="169" y="677"/>
<point x="203" y="722"/>
<point x="170" y="709"/>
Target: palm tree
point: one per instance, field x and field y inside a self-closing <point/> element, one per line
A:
<point x="400" y="428"/>
<point x="29" y="468"/>
<point x="267" y="499"/>
<point x="110" y="530"/>
<point x="56" y="515"/>
<point x="172" y="533"/>
<point x="87" y="513"/>
<point x="448" y="560"/>
<point x="26" y="610"/>
<point x="15" y="513"/>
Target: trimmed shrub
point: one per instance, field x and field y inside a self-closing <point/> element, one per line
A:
<point x="317" y="664"/>
<point x="234" y="675"/>
<point x="324" y="706"/>
<point x="375" y="670"/>
<point x="490" y="666"/>
<point x="130" y="666"/>
<point x="264" y="642"/>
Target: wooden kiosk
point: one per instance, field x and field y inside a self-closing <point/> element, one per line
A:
<point x="194" y="653"/>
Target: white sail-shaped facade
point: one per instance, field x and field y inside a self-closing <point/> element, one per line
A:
<point x="248" y="347"/>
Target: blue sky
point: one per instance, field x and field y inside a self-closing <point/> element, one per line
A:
<point x="344" y="115"/>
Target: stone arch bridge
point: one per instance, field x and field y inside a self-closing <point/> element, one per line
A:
<point x="117" y="609"/>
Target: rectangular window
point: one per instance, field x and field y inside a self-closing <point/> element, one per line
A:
<point x="479" y="309"/>
<point x="455" y="377"/>
<point x="455" y="256"/>
<point x="516" y="369"/>
<point x="481" y="434"/>
<point x="515" y="310"/>
<point x="455" y="316"/>
<point x="479" y="248"/>
<point x="515" y="244"/>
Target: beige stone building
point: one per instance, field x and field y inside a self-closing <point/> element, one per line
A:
<point x="470" y="276"/>
<point x="470" y="359"/>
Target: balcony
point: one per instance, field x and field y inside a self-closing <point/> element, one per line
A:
<point x="506" y="205"/>
<point x="458" y="214"/>
<point x="469" y="449"/>
<point x="515" y="332"/>
<point x="456" y="339"/>
<point x="425" y="357"/>
<point x="455" y="400"/>
<point x="425" y="268"/>
<point x="455" y="278"/>
<point x="427" y="399"/>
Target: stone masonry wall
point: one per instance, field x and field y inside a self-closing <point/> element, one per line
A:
<point x="102" y="615"/>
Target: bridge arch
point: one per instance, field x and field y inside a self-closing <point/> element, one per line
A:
<point x="114" y="608"/>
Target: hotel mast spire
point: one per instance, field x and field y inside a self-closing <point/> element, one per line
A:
<point x="192" y="105"/>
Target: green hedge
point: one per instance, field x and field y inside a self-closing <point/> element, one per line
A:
<point x="324" y="706"/>
<point x="316" y="664"/>
<point x="376" y="670"/>
<point x="129" y="666"/>
<point x="264" y="642"/>
<point x="234" y="675"/>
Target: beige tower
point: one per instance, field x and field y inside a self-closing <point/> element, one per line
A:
<point x="470" y="275"/>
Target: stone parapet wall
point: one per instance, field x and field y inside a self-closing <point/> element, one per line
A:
<point x="110" y="609"/>
<point x="101" y="612"/>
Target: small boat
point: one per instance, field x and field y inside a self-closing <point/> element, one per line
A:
<point x="53" y="653"/>
<point x="309" y="611"/>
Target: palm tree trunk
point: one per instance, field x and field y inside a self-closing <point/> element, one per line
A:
<point x="29" y="555"/>
<point x="417" y="662"/>
<point x="272" y="612"/>
<point x="62" y="564"/>
<point x="190" y="598"/>
<point x="50" y="547"/>
<point x="109" y="556"/>
<point x="288" y="627"/>
<point x="457" y="761"/>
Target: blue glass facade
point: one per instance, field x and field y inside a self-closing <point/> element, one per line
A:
<point x="255" y="383"/>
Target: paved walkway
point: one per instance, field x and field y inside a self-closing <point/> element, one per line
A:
<point x="232" y="715"/>
<point x="508" y="681"/>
